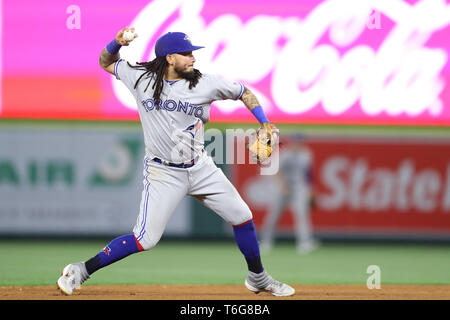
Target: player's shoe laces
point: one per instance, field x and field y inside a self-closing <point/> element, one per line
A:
<point x="72" y="277"/>
<point x="263" y="282"/>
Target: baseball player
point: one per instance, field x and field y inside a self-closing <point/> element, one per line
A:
<point x="173" y="100"/>
<point x="295" y="186"/>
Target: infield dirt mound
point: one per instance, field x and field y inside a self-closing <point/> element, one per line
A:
<point x="227" y="292"/>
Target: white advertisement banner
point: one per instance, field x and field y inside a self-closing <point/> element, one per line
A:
<point x="74" y="182"/>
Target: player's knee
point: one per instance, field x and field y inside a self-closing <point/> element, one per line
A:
<point x="148" y="242"/>
<point x="241" y="217"/>
<point x="147" y="245"/>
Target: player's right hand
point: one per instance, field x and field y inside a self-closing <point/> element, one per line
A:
<point x="119" y="37"/>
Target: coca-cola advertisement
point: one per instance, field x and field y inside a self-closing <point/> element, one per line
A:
<point x="312" y="61"/>
<point x="360" y="186"/>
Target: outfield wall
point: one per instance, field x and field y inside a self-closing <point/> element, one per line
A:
<point x="88" y="182"/>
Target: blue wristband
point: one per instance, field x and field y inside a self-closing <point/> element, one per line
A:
<point x="113" y="47"/>
<point x="258" y="112"/>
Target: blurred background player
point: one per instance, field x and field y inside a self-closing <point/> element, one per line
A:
<point x="294" y="190"/>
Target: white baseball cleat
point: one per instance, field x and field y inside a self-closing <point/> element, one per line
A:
<point x="268" y="284"/>
<point x="72" y="277"/>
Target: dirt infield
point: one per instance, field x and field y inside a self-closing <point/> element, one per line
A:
<point x="227" y="292"/>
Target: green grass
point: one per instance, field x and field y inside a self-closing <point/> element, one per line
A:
<point x="38" y="262"/>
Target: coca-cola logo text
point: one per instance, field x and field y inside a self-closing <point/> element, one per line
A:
<point x="293" y="70"/>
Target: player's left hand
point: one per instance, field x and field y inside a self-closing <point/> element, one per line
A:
<point x="268" y="133"/>
<point x="267" y="136"/>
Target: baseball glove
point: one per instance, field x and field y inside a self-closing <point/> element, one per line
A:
<point x="261" y="145"/>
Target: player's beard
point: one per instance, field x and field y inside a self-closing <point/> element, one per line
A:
<point x="188" y="75"/>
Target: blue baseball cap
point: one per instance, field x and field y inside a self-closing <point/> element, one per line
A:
<point x="174" y="42"/>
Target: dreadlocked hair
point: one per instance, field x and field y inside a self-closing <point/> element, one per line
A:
<point x="155" y="70"/>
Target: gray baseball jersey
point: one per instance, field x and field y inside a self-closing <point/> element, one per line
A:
<point x="174" y="130"/>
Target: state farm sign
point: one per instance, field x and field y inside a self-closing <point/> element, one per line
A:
<point x="358" y="184"/>
<point x="372" y="185"/>
<point x="390" y="185"/>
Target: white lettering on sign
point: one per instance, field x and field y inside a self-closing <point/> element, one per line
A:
<point x="400" y="76"/>
<point x="353" y="184"/>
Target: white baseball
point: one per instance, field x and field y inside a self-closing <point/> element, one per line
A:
<point x="128" y="35"/>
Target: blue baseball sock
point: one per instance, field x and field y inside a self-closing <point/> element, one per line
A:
<point x="247" y="241"/>
<point x="117" y="249"/>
